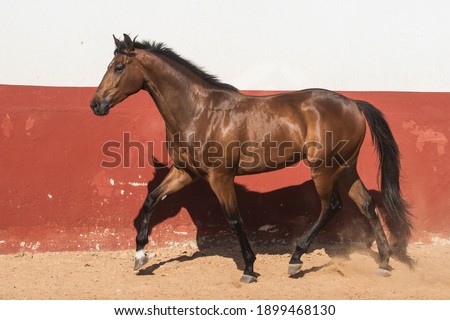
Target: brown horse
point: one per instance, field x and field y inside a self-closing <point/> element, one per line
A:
<point x="214" y="132"/>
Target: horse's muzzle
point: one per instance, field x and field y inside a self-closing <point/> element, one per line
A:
<point x="99" y="108"/>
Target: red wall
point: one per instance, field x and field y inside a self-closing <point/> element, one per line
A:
<point x="56" y="196"/>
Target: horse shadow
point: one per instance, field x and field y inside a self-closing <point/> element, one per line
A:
<point x="272" y="220"/>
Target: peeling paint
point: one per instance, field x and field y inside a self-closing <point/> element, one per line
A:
<point x="36" y="246"/>
<point x="100" y="182"/>
<point x="31" y="245"/>
<point x="29" y="124"/>
<point x="426" y="135"/>
<point x="7" y="126"/>
<point x="138" y="184"/>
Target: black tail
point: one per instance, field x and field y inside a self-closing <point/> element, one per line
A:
<point x="397" y="218"/>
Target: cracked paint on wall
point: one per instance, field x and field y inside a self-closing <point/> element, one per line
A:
<point x="426" y="135"/>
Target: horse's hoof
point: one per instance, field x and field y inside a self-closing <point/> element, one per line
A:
<point x="383" y="273"/>
<point x="294" y="268"/>
<point x="138" y="263"/>
<point x="248" y="278"/>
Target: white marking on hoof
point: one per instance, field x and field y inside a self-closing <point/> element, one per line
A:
<point x="139" y="254"/>
<point x="139" y="263"/>
<point x="163" y="197"/>
<point x="294" y="268"/>
<point x="383" y="272"/>
<point x="248" y="279"/>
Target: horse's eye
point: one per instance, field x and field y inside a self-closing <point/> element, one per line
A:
<point x="119" y="68"/>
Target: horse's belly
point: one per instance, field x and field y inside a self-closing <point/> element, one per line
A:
<point x="269" y="157"/>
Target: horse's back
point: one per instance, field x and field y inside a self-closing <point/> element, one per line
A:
<point x="314" y="111"/>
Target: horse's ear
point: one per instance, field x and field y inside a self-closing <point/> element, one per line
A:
<point x="117" y="42"/>
<point x="129" y="44"/>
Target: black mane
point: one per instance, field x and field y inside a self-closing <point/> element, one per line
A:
<point x="161" y="49"/>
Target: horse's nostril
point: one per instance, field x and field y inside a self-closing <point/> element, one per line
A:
<point x="94" y="105"/>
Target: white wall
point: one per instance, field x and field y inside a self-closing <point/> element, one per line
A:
<point x="253" y="44"/>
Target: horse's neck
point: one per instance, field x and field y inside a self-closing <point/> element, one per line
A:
<point x="173" y="89"/>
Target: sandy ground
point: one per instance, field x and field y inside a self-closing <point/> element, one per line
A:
<point x="213" y="273"/>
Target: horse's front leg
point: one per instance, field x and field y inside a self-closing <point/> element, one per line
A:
<point x="175" y="180"/>
<point x="223" y="186"/>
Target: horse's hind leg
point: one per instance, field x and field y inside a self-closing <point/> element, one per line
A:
<point x="359" y="194"/>
<point x="330" y="203"/>
<point x="175" y="180"/>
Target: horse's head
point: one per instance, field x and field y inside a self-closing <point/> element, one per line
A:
<point x="123" y="78"/>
